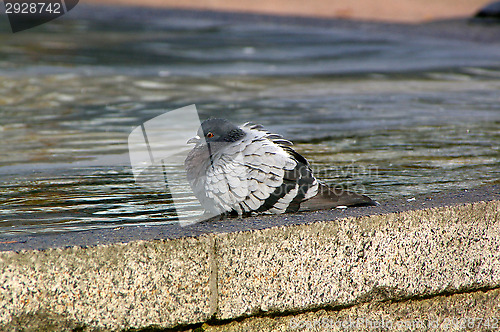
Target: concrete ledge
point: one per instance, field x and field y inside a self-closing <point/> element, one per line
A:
<point x="108" y="287"/>
<point x="354" y="260"/>
<point x="345" y="262"/>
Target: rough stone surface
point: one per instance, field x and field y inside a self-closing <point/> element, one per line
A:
<point x="355" y="260"/>
<point x="477" y="311"/>
<point x="110" y="287"/>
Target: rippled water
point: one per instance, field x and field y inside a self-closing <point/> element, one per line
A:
<point x="382" y="112"/>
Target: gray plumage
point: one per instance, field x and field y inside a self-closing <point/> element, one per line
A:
<point x="247" y="169"/>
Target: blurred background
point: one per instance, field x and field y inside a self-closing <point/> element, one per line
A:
<point x="390" y="109"/>
<point x="377" y="10"/>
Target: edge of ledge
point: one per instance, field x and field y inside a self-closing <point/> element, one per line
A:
<point x="316" y="260"/>
<point x="127" y="234"/>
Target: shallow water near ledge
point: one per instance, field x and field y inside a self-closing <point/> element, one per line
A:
<point x="375" y="112"/>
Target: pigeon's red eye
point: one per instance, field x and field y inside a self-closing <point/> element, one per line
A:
<point x="210" y="135"/>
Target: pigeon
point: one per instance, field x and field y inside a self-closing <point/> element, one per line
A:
<point x="242" y="170"/>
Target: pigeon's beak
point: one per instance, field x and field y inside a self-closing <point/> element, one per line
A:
<point x="193" y="140"/>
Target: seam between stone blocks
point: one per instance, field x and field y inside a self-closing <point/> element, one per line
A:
<point x="339" y="308"/>
<point x="213" y="281"/>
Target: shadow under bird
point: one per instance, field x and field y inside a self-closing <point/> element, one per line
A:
<point x="246" y="169"/>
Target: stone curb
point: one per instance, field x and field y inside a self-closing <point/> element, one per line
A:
<point x="285" y="269"/>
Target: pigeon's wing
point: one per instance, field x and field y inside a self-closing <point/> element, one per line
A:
<point x="268" y="166"/>
<point x="280" y="177"/>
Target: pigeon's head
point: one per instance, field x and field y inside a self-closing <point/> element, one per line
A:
<point x="217" y="131"/>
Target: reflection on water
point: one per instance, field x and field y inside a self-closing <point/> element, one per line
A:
<point x="377" y="112"/>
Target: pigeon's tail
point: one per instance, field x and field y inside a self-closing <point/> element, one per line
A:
<point x="328" y="198"/>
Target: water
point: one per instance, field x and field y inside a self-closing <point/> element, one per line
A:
<point x="389" y="113"/>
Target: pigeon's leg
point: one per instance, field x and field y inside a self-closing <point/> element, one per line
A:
<point x="218" y="217"/>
